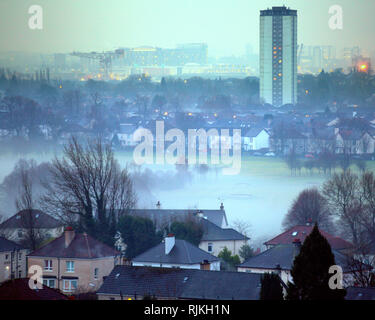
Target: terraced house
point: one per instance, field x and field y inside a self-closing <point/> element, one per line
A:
<point x="12" y="260"/>
<point x="74" y="262"/>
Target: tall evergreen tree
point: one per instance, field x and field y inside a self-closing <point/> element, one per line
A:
<point x="310" y="271"/>
<point x="271" y="288"/>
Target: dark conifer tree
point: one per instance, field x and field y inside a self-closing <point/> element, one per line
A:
<point x="310" y="271"/>
<point x="271" y="288"/>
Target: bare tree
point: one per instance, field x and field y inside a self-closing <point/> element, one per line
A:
<point x="360" y="267"/>
<point x="367" y="191"/>
<point x="242" y="227"/>
<point x="345" y="202"/>
<point x="309" y="207"/>
<point x="88" y="187"/>
<point x="25" y="204"/>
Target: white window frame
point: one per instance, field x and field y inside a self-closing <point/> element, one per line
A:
<point x="47" y="282"/>
<point x="71" y="266"/>
<point x="49" y="265"/>
<point x="210" y="244"/>
<point x="70" y="287"/>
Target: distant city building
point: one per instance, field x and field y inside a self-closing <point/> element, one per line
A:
<point x="278" y="56"/>
<point x="350" y="53"/>
<point x="60" y="61"/>
<point x="154" y="56"/>
<point x="314" y="59"/>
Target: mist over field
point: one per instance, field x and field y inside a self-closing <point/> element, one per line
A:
<point x="258" y="197"/>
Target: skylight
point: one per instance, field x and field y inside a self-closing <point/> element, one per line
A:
<point x="294" y="233"/>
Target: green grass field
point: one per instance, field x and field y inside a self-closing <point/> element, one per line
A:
<point x="267" y="166"/>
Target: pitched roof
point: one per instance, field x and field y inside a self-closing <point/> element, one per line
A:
<point x="214" y="233"/>
<point x="18" y="289"/>
<point x="283" y="255"/>
<point x="359" y="293"/>
<point x="161" y="216"/>
<point x="7" y="245"/>
<point x="183" y="252"/>
<point x="254" y="132"/>
<point x="181" y="283"/>
<point x="41" y="220"/>
<point x="82" y="247"/>
<point x="301" y="232"/>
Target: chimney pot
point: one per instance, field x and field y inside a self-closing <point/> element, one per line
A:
<point x="221" y="206"/>
<point x="69" y="236"/>
<point x="158" y="205"/>
<point x="169" y="243"/>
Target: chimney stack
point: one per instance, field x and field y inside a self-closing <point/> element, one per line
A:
<point x="297" y="243"/>
<point x="69" y="236"/>
<point x="221" y="206"/>
<point x="158" y="205"/>
<point x="169" y="242"/>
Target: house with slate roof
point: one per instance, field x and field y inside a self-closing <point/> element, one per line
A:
<point x="302" y="231"/>
<point x="215" y="239"/>
<point x="279" y="259"/>
<point x="162" y="217"/>
<point x="74" y="262"/>
<point x="129" y="282"/>
<point x="16" y="226"/>
<point x="216" y="232"/>
<point x="256" y="138"/>
<point x="12" y="260"/>
<point x="175" y="253"/>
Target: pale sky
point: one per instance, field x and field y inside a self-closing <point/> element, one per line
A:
<point x="226" y="26"/>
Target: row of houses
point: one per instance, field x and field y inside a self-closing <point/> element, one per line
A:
<point x="330" y="137"/>
<point x="174" y="269"/>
